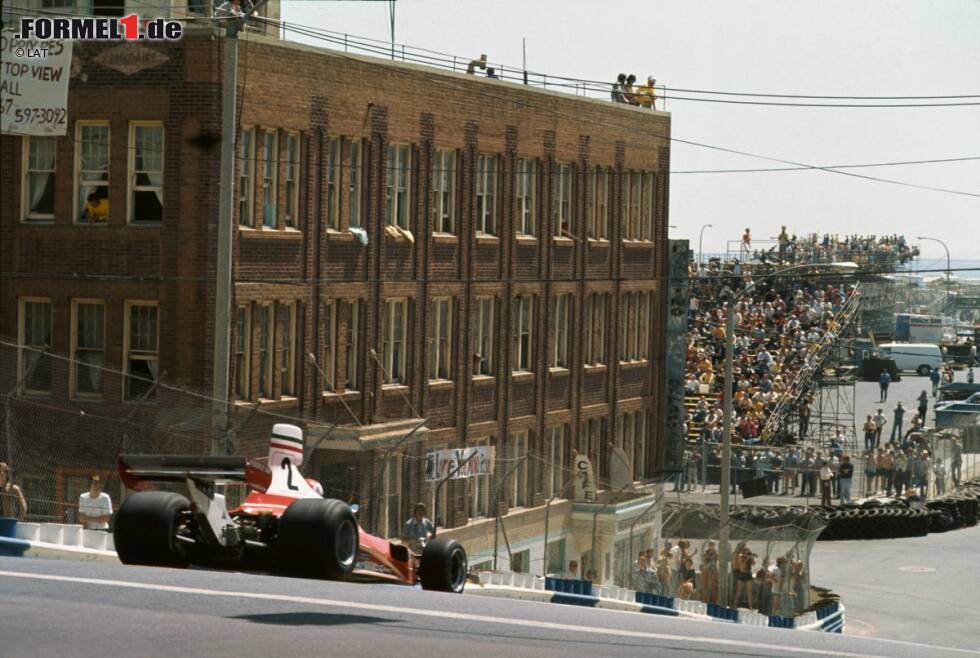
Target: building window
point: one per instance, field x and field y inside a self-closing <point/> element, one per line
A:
<point x="35" y="340"/>
<point x="527" y="180"/>
<point x="392" y="496"/>
<point x="440" y="338"/>
<point x="289" y="350"/>
<point x="643" y="326"/>
<point x="266" y="313"/>
<point x="559" y="320"/>
<point x="483" y="349"/>
<point x="599" y="209"/>
<point x="246" y="172"/>
<point x="39" y="178"/>
<point x="270" y="176"/>
<point x="396" y="323"/>
<point x="444" y="192"/>
<point x="479" y="492"/>
<point x="640" y="445"/>
<point x="333" y="183"/>
<point x="329" y="361"/>
<point x="626" y="436"/>
<point x="596" y="317"/>
<point x="634" y="209"/>
<point x="523" y="308"/>
<point x="354" y="183"/>
<point x="92" y="173"/>
<point x="518" y="462"/>
<point x="398" y="182"/>
<point x="648" y="207"/>
<point x="562" y="201"/>
<point x="293" y="164"/>
<point x="635" y="326"/>
<point x="352" y="314"/>
<point x="243" y="341"/>
<point x="88" y="347"/>
<point x="146" y="172"/>
<point x="555" y="450"/>
<point x="486" y="187"/>
<point x="142" y="350"/>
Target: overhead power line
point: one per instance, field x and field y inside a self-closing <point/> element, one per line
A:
<point x="848" y="166"/>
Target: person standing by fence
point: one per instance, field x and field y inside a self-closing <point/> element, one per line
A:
<point x="899" y="415"/>
<point x="12" y="502"/>
<point x="846" y="473"/>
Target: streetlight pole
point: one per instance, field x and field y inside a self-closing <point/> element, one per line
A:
<point x="700" y="240"/>
<point x="946" y="300"/>
<point x="726" y="437"/>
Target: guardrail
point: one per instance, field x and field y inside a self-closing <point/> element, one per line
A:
<point x="827" y="618"/>
<point x="55" y="540"/>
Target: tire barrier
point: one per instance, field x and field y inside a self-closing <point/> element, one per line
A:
<point x="894" y="518"/>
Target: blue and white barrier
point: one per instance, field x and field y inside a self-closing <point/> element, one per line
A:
<point x="505" y="584"/>
<point x="55" y="540"/>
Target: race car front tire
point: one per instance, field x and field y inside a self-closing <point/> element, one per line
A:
<point x="317" y="539"/>
<point x="443" y="567"/>
<point x="145" y="529"/>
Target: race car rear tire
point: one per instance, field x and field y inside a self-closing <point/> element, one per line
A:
<point x="317" y="539"/>
<point x="145" y="529"/>
<point x="443" y="567"/>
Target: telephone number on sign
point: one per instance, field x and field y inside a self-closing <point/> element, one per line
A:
<point x="40" y="115"/>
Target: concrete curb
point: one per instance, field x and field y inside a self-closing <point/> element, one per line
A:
<point x="58" y="541"/>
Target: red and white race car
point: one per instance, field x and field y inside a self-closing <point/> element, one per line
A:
<point x="284" y="524"/>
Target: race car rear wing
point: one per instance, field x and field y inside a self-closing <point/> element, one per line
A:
<point x="137" y="469"/>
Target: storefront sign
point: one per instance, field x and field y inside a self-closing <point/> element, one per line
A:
<point x="459" y="463"/>
<point x="585" y="487"/>
<point x="33" y="85"/>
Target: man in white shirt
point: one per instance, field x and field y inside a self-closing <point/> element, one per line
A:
<point x="95" y="507"/>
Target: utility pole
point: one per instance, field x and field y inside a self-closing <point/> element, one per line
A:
<point x="226" y="207"/>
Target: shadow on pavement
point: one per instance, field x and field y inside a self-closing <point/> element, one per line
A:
<point x="312" y="619"/>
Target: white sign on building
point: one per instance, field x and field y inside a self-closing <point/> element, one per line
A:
<point x="458" y="463"/>
<point x="34" y="85"/>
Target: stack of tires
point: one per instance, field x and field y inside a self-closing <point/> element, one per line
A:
<point x="954" y="510"/>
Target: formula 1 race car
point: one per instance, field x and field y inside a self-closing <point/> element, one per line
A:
<point x="284" y="524"/>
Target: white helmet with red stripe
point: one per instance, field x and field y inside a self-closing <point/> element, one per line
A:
<point x="286" y="443"/>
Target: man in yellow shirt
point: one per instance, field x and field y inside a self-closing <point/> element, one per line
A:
<point x="646" y="95"/>
<point x="96" y="209"/>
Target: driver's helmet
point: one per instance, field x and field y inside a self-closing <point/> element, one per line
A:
<point x="315" y="485"/>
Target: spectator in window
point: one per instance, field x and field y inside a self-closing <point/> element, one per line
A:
<point x="12" y="502"/>
<point x="629" y="91"/>
<point x="95" y="506"/>
<point x="418" y="529"/>
<point x="646" y="95"/>
<point x="96" y="209"/>
<point x="617" y="89"/>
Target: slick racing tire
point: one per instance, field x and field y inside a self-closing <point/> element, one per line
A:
<point x="443" y="567"/>
<point x="146" y="528"/>
<point x="317" y="539"/>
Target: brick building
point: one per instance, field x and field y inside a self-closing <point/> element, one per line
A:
<point x="478" y="261"/>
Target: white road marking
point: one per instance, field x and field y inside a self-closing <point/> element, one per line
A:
<point x="917" y="569"/>
<point x="486" y="619"/>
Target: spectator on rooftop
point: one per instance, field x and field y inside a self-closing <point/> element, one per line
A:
<point x="617" y="89"/>
<point x="629" y="91"/>
<point x="646" y="95"/>
<point x="480" y="63"/>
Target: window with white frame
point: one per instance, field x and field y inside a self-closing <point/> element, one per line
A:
<point x="270" y="178"/>
<point x="444" y="191"/>
<point x="354" y="183"/>
<point x="440" y="338"/>
<point x="486" y="189"/>
<point x="624" y="206"/>
<point x="525" y="191"/>
<point x="518" y="455"/>
<point x="561" y="198"/>
<point x="599" y="208"/>
<point x="560" y="320"/>
<point x="479" y="491"/>
<point x="397" y="185"/>
<point x="334" y="154"/>
<point x="39" y="178"/>
<point x="392" y="496"/>
<point x="352" y="310"/>
<point x="266" y="319"/>
<point x="328" y="363"/>
<point x="556" y="446"/>
<point x="146" y="172"/>
<point x="522" y="310"/>
<point x="142" y="358"/>
<point x="34" y="336"/>
<point x="87" y="347"/>
<point x="396" y="323"/>
<point x="596" y="319"/>
<point x="243" y="341"/>
<point x="92" y="172"/>
<point x="293" y="166"/>
<point x="289" y="349"/>
<point x="648" y="210"/>
<point x="246" y="173"/>
<point x="483" y="338"/>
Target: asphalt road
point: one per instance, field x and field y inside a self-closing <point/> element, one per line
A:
<point x="58" y="609"/>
